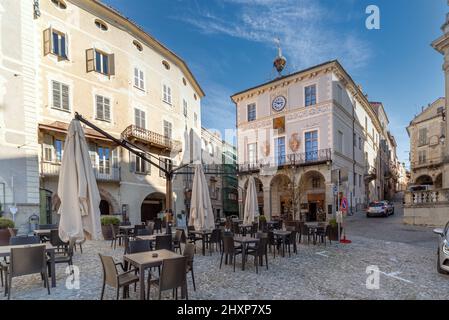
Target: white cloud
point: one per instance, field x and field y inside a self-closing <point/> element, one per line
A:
<point x="306" y="29"/>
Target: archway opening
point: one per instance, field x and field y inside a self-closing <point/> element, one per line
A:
<point x="281" y="197"/>
<point x="313" y="196"/>
<point x="104" y="208"/>
<point x="153" y="204"/>
<point x="424" y="180"/>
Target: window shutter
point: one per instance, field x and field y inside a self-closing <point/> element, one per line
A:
<point x="147" y="167"/>
<point x="63" y="48"/>
<point x="56" y="95"/>
<point x="65" y="97"/>
<point x="107" y="109"/>
<point x="142" y="80"/>
<point x="47" y="41"/>
<point x="100" y="114"/>
<point x="90" y="60"/>
<point x="115" y="158"/>
<point x="111" y="65"/>
<point x="132" y="162"/>
<point x="136" y="77"/>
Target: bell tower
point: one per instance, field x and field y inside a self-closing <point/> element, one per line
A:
<point x="442" y="46"/>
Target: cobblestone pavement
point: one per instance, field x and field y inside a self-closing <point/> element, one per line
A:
<point x="336" y="271"/>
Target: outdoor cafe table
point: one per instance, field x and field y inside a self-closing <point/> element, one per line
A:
<point x="282" y="234"/>
<point x="5" y="251"/>
<point x="203" y="234"/>
<point x="245" y="241"/>
<point x="272" y="224"/>
<point x="145" y="260"/>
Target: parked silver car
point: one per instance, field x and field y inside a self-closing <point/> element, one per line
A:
<point x="443" y="249"/>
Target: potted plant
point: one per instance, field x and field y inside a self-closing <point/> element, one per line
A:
<point x="106" y="222"/>
<point x="4" y="232"/>
<point x="333" y="230"/>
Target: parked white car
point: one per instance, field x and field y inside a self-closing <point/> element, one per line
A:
<point x="443" y="250"/>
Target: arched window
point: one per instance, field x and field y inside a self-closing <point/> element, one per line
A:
<point x="60" y="4"/>
<point x="138" y="45"/>
<point x="101" y="25"/>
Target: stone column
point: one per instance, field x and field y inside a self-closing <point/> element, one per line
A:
<point x="267" y="202"/>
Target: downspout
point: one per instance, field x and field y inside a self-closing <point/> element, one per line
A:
<point x="353" y="159"/>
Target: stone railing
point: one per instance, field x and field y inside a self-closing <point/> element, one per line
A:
<point x="152" y="138"/>
<point x="425" y="198"/>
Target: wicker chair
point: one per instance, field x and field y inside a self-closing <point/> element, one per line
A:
<point x="259" y="251"/>
<point x="229" y="249"/>
<point x="113" y="278"/>
<point x="189" y="253"/>
<point x="173" y="276"/>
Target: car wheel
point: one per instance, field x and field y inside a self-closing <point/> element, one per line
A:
<point x="441" y="271"/>
<point x="386" y="214"/>
<point x="368" y="216"/>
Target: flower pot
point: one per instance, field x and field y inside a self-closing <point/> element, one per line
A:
<point x="4" y="237"/>
<point x="333" y="233"/>
<point x="107" y="232"/>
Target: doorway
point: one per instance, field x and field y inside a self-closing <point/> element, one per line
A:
<point x="104" y="208"/>
<point x="151" y="206"/>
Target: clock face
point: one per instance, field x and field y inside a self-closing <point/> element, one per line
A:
<point x="279" y="103"/>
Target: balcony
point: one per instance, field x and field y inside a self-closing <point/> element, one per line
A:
<point x="317" y="157"/>
<point x="51" y="169"/>
<point x="152" y="139"/>
<point x="427" y="163"/>
<point x="370" y="174"/>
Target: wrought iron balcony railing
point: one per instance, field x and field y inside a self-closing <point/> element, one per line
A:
<point x="151" y="138"/>
<point x="297" y="159"/>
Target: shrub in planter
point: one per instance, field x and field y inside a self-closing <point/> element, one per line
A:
<point x="262" y="222"/>
<point x="106" y="222"/>
<point x="4" y="232"/>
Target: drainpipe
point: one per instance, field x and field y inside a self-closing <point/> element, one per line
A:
<point x="353" y="158"/>
<point x="4" y="198"/>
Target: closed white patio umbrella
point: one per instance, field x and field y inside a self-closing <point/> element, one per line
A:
<point x="251" y="210"/>
<point x="77" y="189"/>
<point x="201" y="215"/>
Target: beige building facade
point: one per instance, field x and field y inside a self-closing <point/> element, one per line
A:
<point x="91" y="60"/>
<point x="296" y="132"/>
<point x="429" y="160"/>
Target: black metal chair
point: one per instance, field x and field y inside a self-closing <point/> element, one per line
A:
<point x="26" y="261"/>
<point x="164" y="241"/>
<point x="229" y="249"/>
<point x="138" y="227"/>
<point x="113" y="278"/>
<point x="143" y="232"/>
<point x="193" y="238"/>
<point x="56" y="241"/>
<point x="158" y="225"/>
<point x="20" y="240"/>
<point x="189" y="253"/>
<point x="137" y="246"/>
<point x="177" y="240"/>
<point x="215" y="238"/>
<point x="116" y="236"/>
<point x="322" y="233"/>
<point x="172" y="277"/>
<point x="63" y="257"/>
<point x="307" y="232"/>
<point x="290" y="240"/>
<point x="259" y="251"/>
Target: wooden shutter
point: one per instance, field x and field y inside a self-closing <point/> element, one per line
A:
<point x="111" y="66"/>
<point x="63" y="48"/>
<point x="90" y="60"/>
<point x="107" y="109"/>
<point x="47" y="41"/>
<point x="115" y="158"/>
<point x="65" y="97"/>
<point x="142" y="80"/>
<point x="136" y="77"/>
<point x="56" y="95"/>
<point x="99" y="107"/>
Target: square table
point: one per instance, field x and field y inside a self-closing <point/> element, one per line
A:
<point x="126" y="229"/>
<point x="245" y="241"/>
<point x="314" y="226"/>
<point x="203" y="234"/>
<point x="43" y="233"/>
<point x="5" y="251"/>
<point x="144" y="260"/>
<point x="282" y="234"/>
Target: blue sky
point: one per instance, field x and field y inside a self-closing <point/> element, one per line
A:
<point x="228" y="44"/>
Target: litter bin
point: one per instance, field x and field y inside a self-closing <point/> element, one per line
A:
<point x="33" y="221"/>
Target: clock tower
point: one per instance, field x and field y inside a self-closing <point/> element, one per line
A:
<point x="442" y="46"/>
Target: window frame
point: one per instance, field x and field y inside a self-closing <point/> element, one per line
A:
<point x="314" y="98"/>
<point x="250" y="111"/>
<point x="140" y="78"/>
<point x="103" y="105"/>
<point x="167" y="94"/>
<point x="144" y="118"/>
<point x="61" y="84"/>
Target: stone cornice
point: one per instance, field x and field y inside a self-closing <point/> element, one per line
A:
<point x="441" y="43"/>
